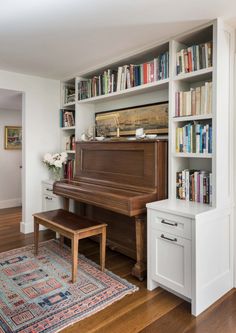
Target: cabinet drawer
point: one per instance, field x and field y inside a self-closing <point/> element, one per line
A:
<point x="50" y="202"/>
<point x="48" y="189"/>
<point x="174" y="224"/>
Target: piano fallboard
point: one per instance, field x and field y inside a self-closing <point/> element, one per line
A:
<point x="118" y="200"/>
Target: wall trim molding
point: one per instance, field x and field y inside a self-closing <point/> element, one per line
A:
<point x="10" y="203"/>
<point x="27" y="228"/>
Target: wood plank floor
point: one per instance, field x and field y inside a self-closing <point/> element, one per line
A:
<point x="144" y="311"/>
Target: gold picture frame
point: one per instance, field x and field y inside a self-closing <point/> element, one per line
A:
<point x="13" y="137"/>
<point x="153" y="118"/>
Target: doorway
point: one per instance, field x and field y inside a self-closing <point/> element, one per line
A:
<point x="10" y="150"/>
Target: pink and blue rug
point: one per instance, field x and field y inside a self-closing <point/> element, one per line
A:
<point x="36" y="293"/>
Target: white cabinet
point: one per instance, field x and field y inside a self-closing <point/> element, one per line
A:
<point x="190" y="251"/>
<point x="50" y="201"/>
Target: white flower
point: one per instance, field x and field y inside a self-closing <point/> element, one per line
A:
<point x="55" y="160"/>
<point x="58" y="164"/>
<point x="47" y="158"/>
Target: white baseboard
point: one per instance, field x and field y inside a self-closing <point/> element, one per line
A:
<point x="27" y="228"/>
<point x="10" y="203"/>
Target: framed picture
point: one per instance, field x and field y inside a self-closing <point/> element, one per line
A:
<point x="13" y="137"/>
<point x="153" y="118"/>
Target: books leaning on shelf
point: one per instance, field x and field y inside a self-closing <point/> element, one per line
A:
<point x="194" y="138"/>
<point x="193" y="58"/>
<point x="69" y="169"/>
<point x="125" y="77"/>
<point x="196" y="101"/>
<point x="69" y="94"/>
<point x="194" y="185"/>
<point x="67" y="118"/>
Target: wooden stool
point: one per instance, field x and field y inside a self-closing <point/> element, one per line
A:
<point x="74" y="227"/>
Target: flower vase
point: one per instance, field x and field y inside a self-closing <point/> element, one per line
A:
<point x="55" y="174"/>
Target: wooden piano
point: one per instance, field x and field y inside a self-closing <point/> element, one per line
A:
<point x="114" y="180"/>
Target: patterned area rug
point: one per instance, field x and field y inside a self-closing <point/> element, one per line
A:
<point x="36" y="294"/>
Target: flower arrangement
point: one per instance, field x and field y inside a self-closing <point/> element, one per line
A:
<point x="54" y="163"/>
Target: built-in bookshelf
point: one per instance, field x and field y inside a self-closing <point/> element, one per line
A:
<point x="114" y="80"/>
<point x="67" y="122"/>
<point x="182" y="70"/>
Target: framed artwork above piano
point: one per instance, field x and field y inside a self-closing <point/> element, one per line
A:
<point x="153" y="118"/>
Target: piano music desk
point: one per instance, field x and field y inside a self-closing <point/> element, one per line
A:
<point x="75" y="228"/>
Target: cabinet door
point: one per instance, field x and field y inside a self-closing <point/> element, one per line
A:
<point x="171" y="261"/>
<point x="50" y="202"/>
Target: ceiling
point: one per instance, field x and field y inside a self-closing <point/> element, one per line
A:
<point x="10" y="100"/>
<point x="58" y="39"/>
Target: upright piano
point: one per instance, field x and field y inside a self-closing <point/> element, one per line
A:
<point x="113" y="182"/>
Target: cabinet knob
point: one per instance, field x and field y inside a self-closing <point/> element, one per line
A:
<point x="49" y="189"/>
<point x="168" y="238"/>
<point x="169" y="223"/>
<point x="48" y="198"/>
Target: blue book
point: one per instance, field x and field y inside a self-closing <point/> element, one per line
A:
<point x="210" y="140"/>
<point x="200" y="145"/>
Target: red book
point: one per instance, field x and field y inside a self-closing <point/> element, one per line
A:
<point x="190" y="60"/>
<point x="145" y="73"/>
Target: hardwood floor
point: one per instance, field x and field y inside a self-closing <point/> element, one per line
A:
<point x="144" y="311"/>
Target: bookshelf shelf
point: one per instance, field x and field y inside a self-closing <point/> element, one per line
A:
<point x="195" y="76"/>
<point x="64" y="106"/>
<point x="192" y="118"/>
<point x="192" y="155"/>
<point x="148" y="87"/>
<point x="70" y="151"/>
<point x="69" y="128"/>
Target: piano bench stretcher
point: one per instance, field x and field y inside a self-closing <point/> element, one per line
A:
<point x="73" y="227"/>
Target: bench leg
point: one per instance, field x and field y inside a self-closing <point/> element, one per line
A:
<point x="36" y="237"/>
<point x="74" y="249"/>
<point x="103" y="248"/>
<point x="61" y="241"/>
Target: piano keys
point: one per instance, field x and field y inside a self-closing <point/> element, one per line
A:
<point x="114" y="180"/>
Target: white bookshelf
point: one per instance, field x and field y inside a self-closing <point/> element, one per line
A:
<point x="211" y="271"/>
<point x="67" y="131"/>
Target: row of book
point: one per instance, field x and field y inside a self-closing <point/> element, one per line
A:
<point x="194" y="138"/>
<point x="69" y="94"/>
<point x="194" y="58"/>
<point x="125" y="77"/>
<point x="69" y="169"/>
<point x="67" y="118"/>
<point x="196" y="101"/>
<point x="194" y="185"/>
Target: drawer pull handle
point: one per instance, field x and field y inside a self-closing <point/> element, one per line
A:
<point x="170" y="239"/>
<point x="48" y="198"/>
<point x="49" y="189"/>
<point x="172" y="224"/>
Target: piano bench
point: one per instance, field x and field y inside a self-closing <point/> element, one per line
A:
<point x="73" y="227"/>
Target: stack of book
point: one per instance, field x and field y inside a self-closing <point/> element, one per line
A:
<point x="69" y="169"/>
<point x="67" y="118"/>
<point x="125" y="77"/>
<point x="196" y="101"/>
<point x="194" y="58"/>
<point x="194" y="185"/>
<point x="69" y="94"/>
<point x="194" y="138"/>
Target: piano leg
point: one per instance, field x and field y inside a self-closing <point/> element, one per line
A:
<point x="140" y="268"/>
<point x="66" y="203"/>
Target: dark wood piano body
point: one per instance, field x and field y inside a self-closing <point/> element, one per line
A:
<point x="114" y="180"/>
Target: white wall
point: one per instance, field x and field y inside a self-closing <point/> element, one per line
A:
<point x="10" y="172"/>
<point x="41" y="98"/>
